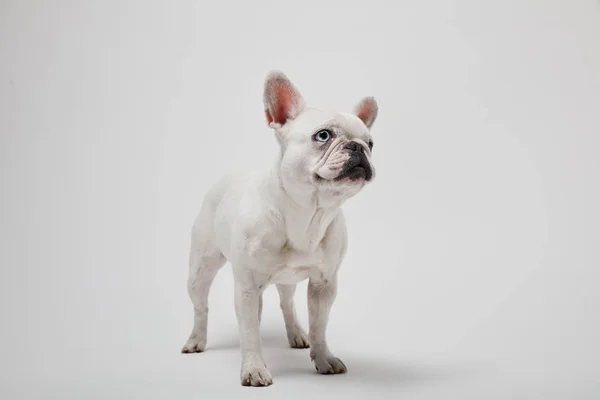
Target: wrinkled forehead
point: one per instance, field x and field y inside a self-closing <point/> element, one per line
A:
<point x="349" y="125"/>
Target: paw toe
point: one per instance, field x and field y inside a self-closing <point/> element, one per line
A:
<point x="193" y="347"/>
<point x="257" y="377"/>
<point x="330" y="365"/>
<point x="299" y="342"/>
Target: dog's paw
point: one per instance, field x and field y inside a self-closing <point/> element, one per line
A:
<point x="194" y="346"/>
<point x="328" y="364"/>
<point x="256" y="376"/>
<point x="298" y="339"/>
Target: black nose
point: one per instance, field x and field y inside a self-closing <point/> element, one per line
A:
<point x="354" y="146"/>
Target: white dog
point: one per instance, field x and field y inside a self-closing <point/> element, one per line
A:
<point x="284" y="225"/>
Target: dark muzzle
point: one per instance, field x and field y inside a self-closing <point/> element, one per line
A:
<point x="357" y="166"/>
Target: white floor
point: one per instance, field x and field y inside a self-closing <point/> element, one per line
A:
<point x="396" y="363"/>
<point x="473" y="266"/>
<point x="529" y="347"/>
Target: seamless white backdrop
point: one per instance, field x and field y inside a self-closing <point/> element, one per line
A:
<point x="482" y="225"/>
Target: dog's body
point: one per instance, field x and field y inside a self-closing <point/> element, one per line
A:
<point x="283" y="226"/>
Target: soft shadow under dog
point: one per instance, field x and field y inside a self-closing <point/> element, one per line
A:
<point x="375" y="369"/>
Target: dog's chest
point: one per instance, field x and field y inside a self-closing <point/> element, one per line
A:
<point x="305" y="229"/>
<point x="296" y="266"/>
<point x="297" y="248"/>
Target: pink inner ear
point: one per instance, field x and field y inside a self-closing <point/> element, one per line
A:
<point x="365" y="112"/>
<point x="284" y="101"/>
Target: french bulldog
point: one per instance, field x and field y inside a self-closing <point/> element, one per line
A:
<point x="283" y="225"/>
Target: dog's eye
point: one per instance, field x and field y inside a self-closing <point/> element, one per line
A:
<point x="370" y="145"/>
<point x="322" y="136"/>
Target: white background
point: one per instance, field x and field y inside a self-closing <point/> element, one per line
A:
<point x="473" y="267"/>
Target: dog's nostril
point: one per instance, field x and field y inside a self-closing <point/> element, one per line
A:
<point x="354" y="146"/>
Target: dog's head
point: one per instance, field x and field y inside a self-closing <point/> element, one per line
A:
<point x="328" y="151"/>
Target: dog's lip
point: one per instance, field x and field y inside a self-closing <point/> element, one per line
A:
<point x="359" y="171"/>
<point x="345" y="179"/>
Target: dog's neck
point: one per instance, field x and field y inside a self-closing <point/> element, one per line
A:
<point x="307" y="212"/>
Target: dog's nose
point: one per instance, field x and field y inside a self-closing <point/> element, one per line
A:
<point x="354" y="146"/>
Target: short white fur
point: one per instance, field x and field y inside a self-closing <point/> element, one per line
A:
<point x="281" y="226"/>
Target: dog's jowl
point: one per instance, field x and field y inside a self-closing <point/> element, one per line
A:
<point x="284" y="225"/>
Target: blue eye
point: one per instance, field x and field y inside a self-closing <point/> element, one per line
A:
<point x="322" y="136"/>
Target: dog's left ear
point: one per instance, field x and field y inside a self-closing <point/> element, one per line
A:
<point x="366" y="110"/>
<point x="282" y="100"/>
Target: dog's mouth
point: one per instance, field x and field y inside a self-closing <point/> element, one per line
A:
<point x="357" y="173"/>
<point x="356" y="169"/>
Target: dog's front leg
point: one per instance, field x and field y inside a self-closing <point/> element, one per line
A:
<point x="247" y="307"/>
<point x="320" y="299"/>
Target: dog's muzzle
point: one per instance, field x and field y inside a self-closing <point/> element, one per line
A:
<point x="357" y="166"/>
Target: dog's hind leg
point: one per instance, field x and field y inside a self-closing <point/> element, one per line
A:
<point x="205" y="262"/>
<point x="296" y="336"/>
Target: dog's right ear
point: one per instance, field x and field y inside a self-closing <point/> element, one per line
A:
<point x="282" y="100"/>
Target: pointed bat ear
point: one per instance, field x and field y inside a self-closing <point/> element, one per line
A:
<point x="282" y="100"/>
<point x="366" y="110"/>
